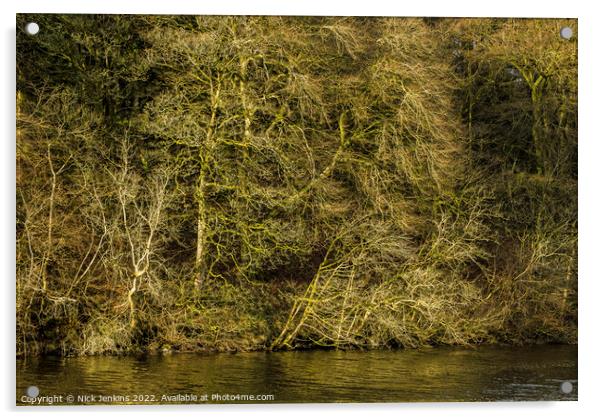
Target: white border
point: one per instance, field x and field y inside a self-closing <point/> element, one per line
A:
<point x="590" y="234"/>
<point x="516" y="8"/>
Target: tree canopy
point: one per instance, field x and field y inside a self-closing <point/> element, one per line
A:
<point x="242" y="183"/>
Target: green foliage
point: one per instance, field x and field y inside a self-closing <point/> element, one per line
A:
<point x="241" y="183"/>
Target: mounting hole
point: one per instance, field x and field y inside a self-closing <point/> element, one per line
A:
<point x="566" y="32"/>
<point x="33" y="391"/>
<point x="566" y="387"/>
<point x="32" y="28"/>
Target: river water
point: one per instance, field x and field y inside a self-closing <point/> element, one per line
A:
<point x="485" y="373"/>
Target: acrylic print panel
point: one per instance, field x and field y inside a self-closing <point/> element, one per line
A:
<point x="231" y="209"/>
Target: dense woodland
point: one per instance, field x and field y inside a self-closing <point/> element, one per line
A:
<point x="196" y="183"/>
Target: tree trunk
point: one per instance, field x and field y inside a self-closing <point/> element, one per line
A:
<point x="200" y="266"/>
<point x="131" y="302"/>
<point x="204" y="155"/>
<point x="536" y="90"/>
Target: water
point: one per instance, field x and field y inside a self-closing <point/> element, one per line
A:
<point x="443" y="374"/>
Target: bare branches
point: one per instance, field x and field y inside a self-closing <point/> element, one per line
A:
<point x="141" y="208"/>
<point x="252" y="182"/>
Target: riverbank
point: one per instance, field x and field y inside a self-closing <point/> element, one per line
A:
<point x="257" y="317"/>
